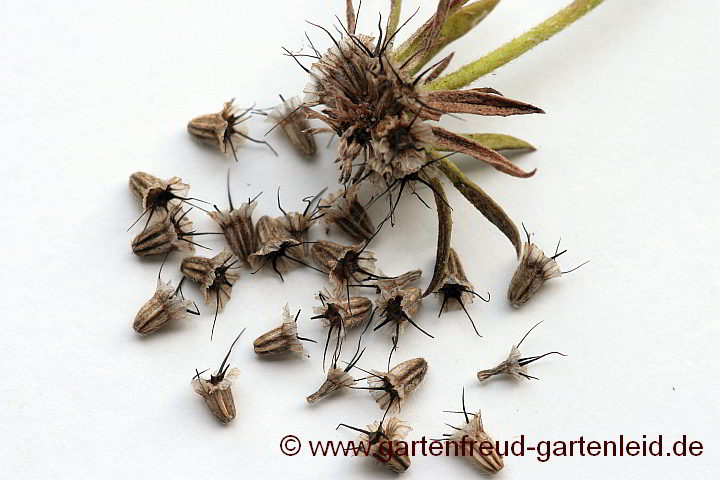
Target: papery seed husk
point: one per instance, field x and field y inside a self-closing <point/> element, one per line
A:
<point x="238" y="229"/>
<point x="336" y="379"/>
<point x="399" y="282"/>
<point x="352" y="311"/>
<point x="341" y="265"/>
<point x="211" y="129"/>
<point x="481" y="453"/>
<point x="280" y="340"/>
<point x="164" y="307"/>
<point x="343" y="209"/>
<point x="455" y="275"/>
<point x="141" y="182"/>
<point x="403" y="379"/>
<point x="218" y="397"/>
<point x="164" y="235"/>
<point x="510" y="366"/>
<point x="534" y="270"/>
<point x="294" y="122"/>
<point x="395" y="430"/>
<point x="408" y="299"/>
<point x="297" y="226"/>
<point x="204" y="272"/>
<point x="156" y="191"/>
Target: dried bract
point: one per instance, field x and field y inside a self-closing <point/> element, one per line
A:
<point x="165" y="235"/>
<point x="384" y="443"/>
<point x="294" y="123"/>
<point x="514" y="365"/>
<point x="391" y="389"/>
<point x="216" y="391"/>
<point x="163" y="308"/>
<point x="282" y="339"/>
<point x="345" y="210"/>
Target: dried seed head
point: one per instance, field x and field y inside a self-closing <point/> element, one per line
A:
<point x="294" y="122"/>
<point x="336" y="380"/>
<point x="345" y="264"/>
<point x="455" y="289"/>
<point x="476" y="444"/>
<point x="216" y="391"/>
<point x="166" y="234"/>
<point x="344" y="210"/>
<point x="221" y="130"/>
<point x="164" y="307"/>
<point x="534" y="270"/>
<point x="282" y="339"/>
<point x="381" y="442"/>
<point x="237" y="226"/>
<point x="399" y="146"/>
<point x="391" y="389"/>
<point x="514" y="365"/>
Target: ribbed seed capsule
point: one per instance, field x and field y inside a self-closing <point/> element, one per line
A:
<point x="479" y="447"/>
<point x="455" y="289"/>
<point x="534" y="270"/>
<point x="215" y="276"/>
<point x="216" y="391"/>
<point x="282" y="339"/>
<point x="401" y="281"/>
<point x="385" y="443"/>
<point x="336" y="380"/>
<point x="165" y="235"/>
<point x="342" y="313"/>
<point x="141" y="182"/>
<point x="238" y="229"/>
<point x="274" y="244"/>
<point x="290" y="116"/>
<point x="343" y="209"/>
<point x="345" y="264"/>
<point x="222" y="129"/>
<point x="164" y="307"/>
<point x="398" y="308"/>
<point x="391" y="389"/>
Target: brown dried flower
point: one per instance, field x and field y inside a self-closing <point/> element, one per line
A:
<point x="343" y="209"/>
<point x="291" y="117"/>
<point x="282" y="339"/>
<point x="216" y="391"/>
<point x="514" y="365"/>
<point x="383" y="443"/>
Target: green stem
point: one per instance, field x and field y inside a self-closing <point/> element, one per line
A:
<point x="394" y="18"/>
<point x="514" y="48"/>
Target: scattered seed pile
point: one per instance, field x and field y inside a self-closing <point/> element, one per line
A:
<point x="382" y="102"/>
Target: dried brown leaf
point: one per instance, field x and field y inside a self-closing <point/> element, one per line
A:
<point x="479" y="102"/>
<point x="444" y="234"/>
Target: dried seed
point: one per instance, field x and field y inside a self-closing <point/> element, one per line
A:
<point x="340" y="315"/>
<point x="391" y="389"/>
<point x="141" y="182"/>
<point x="344" y="210"/>
<point x="514" y="365"/>
<point x="294" y="122"/>
<point x="166" y="235"/>
<point x="223" y="129"/>
<point x="282" y="339"/>
<point x="475" y="443"/>
<point x="164" y="307"/>
<point x="215" y="276"/>
<point x="275" y="245"/>
<point x="456" y="289"/>
<point x="383" y="443"/>
<point x="399" y="282"/>
<point x="216" y="391"/>
<point x="534" y="270"/>
<point x="346" y="265"/>
<point x="398" y="308"/>
<point x="297" y="225"/>
<point x="237" y="226"/>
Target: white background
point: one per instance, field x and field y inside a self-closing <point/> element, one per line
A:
<point x="627" y="175"/>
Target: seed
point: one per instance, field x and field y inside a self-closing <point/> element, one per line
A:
<point x="399" y="282"/>
<point x="475" y="443"/>
<point x="216" y="391"/>
<point x="282" y="339"/>
<point x="391" y="389"/>
<point x="398" y="308"/>
<point x="343" y="209"/>
<point x="215" y="276"/>
<point x="237" y="226"/>
<point x="141" y="182"/>
<point x="456" y="289"/>
<point x="274" y="245"/>
<point x="164" y="307"/>
<point x="169" y="233"/>
<point x="385" y="443"/>
<point x="345" y="264"/>
<point x="534" y="270"/>
<point x="297" y="225"/>
<point x="293" y="120"/>
<point x="514" y="365"/>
